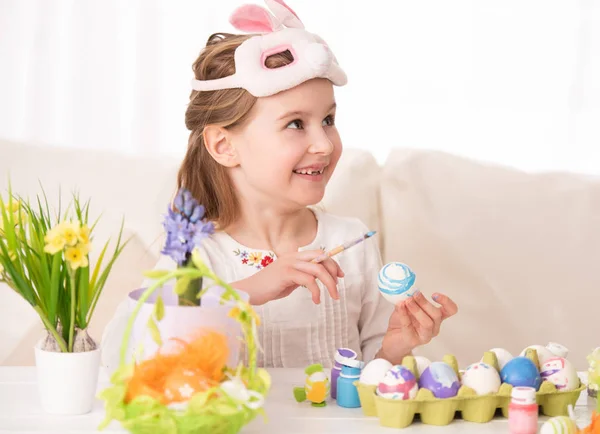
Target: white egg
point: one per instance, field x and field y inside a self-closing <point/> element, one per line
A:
<point x="560" y="372"/>
<point x="502" y="355"/>
<point x="396" y="282"/>
<point x="482" y="378"/>
<point x="422" y="363"/>
<point x="543" y="353"/>
<point x="374" y="371"/>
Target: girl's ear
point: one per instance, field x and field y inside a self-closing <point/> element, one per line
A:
<point x="285" y="14"/>
<point x="218" y="145"/>
<point x="254" y="19"/>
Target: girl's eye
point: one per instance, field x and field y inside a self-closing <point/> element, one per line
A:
<point x="296" y="124"/>
<point x="328" y="121"/>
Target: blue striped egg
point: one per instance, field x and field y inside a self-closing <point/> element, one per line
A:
<point x="396" y="282"/>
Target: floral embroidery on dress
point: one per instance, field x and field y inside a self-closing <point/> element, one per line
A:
<point x="256" y="260"/>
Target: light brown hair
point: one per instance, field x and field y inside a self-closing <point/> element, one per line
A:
<point x="205" y="178"/>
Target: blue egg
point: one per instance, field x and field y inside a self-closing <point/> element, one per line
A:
<point x="396" y="282"/>
<point x="521" y="372"/>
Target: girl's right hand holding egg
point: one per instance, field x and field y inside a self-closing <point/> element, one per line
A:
<point x="287" y="273"/>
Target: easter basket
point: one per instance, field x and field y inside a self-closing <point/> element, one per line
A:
<point x="221" y="400"/>
<point x="398" y="413"/>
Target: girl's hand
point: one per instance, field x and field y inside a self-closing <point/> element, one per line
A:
<point x="414" y="322"/>
<point x="288" y="272"/>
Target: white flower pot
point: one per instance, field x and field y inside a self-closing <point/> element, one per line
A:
<point x="182" y="322"/>
<point x="67" y="381"/>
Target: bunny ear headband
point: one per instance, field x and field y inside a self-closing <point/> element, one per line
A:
<point x="280" y="31"/>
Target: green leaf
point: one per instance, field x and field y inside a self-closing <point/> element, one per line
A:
<point x="83" y="296"/>
<point x="155" y="274"/>
<point x="159" y="308"/>
<point x="22" y="283"/>
<point x="182" y="285"/>
<point x="102" y="280"/>
<point x="154" y="332"/>
<point x="54" y="287"/>
<point x="97" y="267"/>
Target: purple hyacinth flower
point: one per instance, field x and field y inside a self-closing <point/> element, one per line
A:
<point x="178" y="202"/>
<point x="197" y="213"/>
<point x="185" y="226"/>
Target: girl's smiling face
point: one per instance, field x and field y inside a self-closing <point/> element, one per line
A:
<point x="289" y="147"/>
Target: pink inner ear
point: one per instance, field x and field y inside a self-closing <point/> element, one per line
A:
<point x="282" y="3"/>
<point x="252" y="18"/>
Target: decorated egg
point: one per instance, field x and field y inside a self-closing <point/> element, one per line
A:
<point x="482" y="378"/>
<point x="396" y="282"/>
<point x="422" y="364"/>
<point x="543" y="353"/>
<point x="440" y="378"/>
<point x="559" y="425"/>
<point x="182" y="384"/>
<point x="502" y="355"/>
<point x="398" y="383"/>
<point x="521" y="372"/>
<point x="373" y="373"/>
<point x="560" y="372"/>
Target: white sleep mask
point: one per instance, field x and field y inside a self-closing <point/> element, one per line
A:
<point x="280" y="32"/>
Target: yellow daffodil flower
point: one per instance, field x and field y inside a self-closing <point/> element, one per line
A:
<point x="84" y="234"/>
<point x="85" y="247"/>
<point x="76" y="257"/>
<point x="55" y="241"/>
<point x="70" y="232"/>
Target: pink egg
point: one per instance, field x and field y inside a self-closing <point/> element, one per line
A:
<point x="398" y="383"/>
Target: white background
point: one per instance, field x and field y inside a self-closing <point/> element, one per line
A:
<point x="516" y="82"/>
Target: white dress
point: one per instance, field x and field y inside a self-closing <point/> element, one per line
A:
<point x="294" y="332"/>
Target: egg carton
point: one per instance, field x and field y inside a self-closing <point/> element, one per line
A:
<point x="466" y="404"/>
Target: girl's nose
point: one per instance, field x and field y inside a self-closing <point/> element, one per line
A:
<point x="320" y="144"/>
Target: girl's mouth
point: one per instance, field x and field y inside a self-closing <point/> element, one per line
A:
<point x="310" y="172"/>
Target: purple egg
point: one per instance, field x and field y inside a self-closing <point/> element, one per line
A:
<point x="440" y="378"/>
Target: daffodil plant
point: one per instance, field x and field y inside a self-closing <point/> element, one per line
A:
<point x="44" y="257"/>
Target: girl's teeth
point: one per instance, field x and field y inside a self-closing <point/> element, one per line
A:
<point x="309" y="172"/>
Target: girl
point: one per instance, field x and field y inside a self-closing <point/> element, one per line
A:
<point x="262" y="148"/>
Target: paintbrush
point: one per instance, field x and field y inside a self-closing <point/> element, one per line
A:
<point x="343" y="247"/>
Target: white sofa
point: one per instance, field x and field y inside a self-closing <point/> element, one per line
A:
<point x="518" y="252"/>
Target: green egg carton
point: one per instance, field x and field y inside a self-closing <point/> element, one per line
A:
<point x="466" y="404"/>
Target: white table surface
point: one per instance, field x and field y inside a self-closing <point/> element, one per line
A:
<point x="20" y="412"/>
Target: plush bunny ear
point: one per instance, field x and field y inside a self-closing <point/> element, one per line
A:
<point x="253" y="18"/>
<point x="284" y="13"/>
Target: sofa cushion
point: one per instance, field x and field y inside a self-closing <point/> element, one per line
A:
<point x="517" y="251"/>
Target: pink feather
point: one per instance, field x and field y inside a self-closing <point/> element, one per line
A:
<point x="252" y="18"/>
